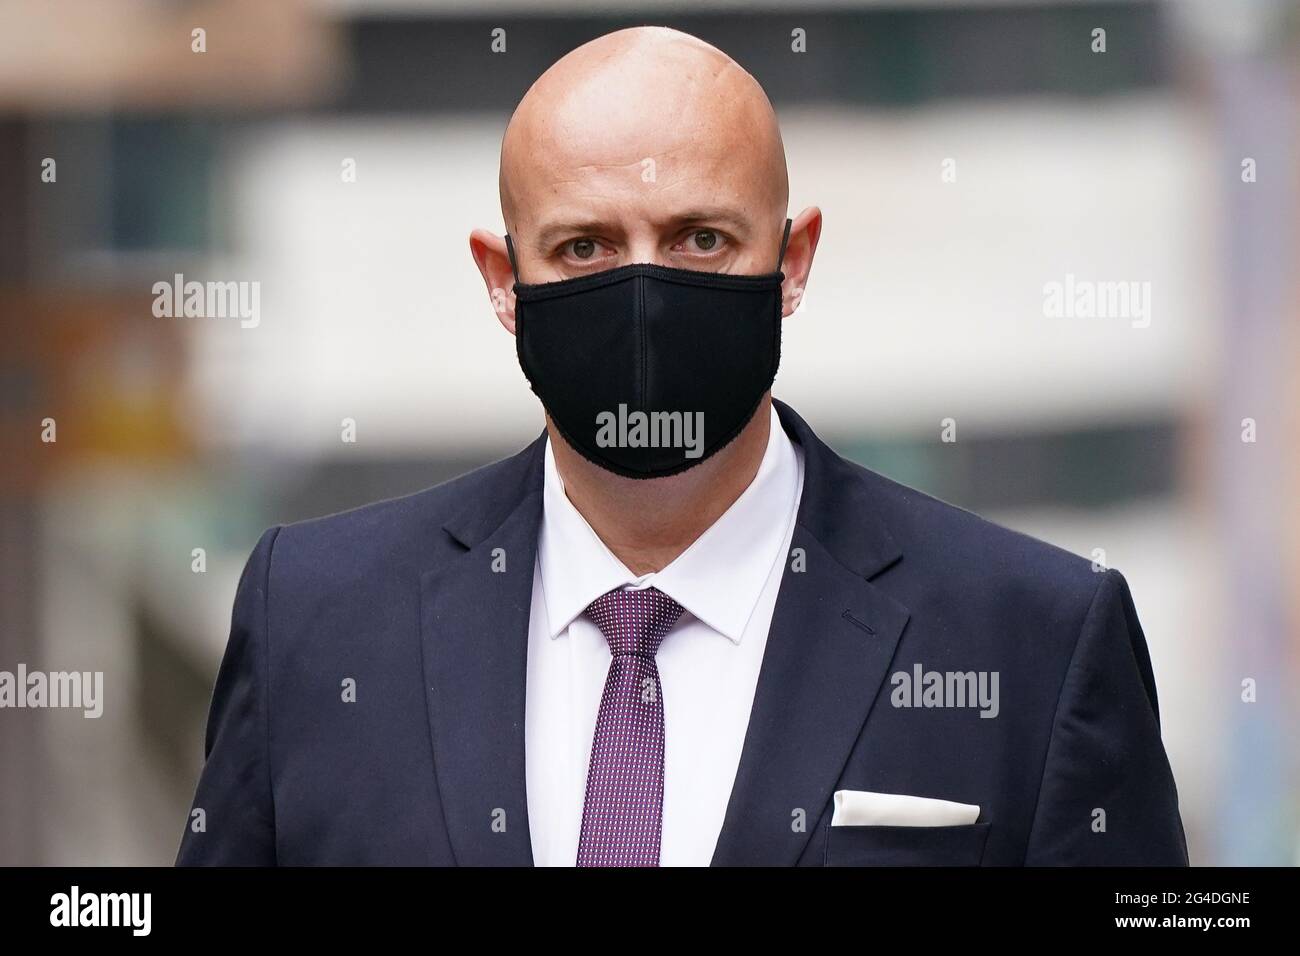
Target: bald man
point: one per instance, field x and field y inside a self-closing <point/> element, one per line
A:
<point x="677" y="629"/>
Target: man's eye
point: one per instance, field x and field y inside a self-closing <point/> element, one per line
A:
<point x="706" y="240"/>
<point x="583" y="248"/>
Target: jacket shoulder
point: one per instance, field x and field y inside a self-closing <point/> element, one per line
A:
<point x="410" y="529"/>
<point x="954" y="545"/>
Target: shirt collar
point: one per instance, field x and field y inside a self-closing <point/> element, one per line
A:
<point x="718" y="579"/>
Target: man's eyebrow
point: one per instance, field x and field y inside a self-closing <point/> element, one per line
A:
<point x="593" y="227"/>
<point x="719" y="215"/>
<point x="548" y="234"/>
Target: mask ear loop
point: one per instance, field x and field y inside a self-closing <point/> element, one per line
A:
<point x="510" y="251"/>
<point x="779" y="259"/>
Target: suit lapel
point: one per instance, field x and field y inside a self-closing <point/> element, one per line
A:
<point x="832" y="637"/>
<point x="474" y="622"/>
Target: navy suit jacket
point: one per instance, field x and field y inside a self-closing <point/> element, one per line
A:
<point x="409" y="599"/>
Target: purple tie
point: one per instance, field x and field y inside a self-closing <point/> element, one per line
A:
<point x="623" y="813"/>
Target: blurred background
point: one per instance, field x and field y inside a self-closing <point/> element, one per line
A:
<point x="337" y="153"/>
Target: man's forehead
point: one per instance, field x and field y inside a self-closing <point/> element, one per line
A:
<point x="659" y="179"/>
<point x="614" y="144"/>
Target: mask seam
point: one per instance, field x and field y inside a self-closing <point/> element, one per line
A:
<point x="645" y="361"/>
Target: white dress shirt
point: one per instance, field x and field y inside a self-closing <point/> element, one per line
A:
<point x="727" y="581"/>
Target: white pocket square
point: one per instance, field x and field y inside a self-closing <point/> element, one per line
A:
<point x="862" y="808"/>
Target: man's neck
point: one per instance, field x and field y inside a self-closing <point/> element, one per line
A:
<point x="648" y="522"/>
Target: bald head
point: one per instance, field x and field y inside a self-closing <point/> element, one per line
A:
<point x="630" y="145"/>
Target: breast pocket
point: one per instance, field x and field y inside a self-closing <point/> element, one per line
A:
<point x="906" y="846"/>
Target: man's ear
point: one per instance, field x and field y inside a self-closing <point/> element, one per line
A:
<point x="804" y="233"/>
<point x="489" y="252"/>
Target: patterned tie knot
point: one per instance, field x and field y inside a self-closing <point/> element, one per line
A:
<point x="634" y="620"/>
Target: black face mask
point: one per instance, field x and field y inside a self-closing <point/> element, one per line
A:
<point x="648" y="370"/>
